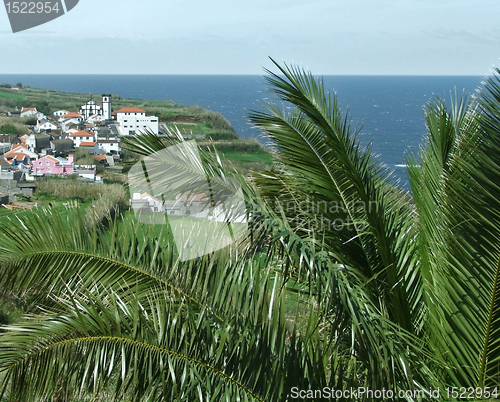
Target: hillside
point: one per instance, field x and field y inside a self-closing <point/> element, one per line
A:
<point x="203" y="125"/>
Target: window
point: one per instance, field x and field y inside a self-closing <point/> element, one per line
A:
<point x="47" y="163"/>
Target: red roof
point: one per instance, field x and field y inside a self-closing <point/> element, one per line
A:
<point x="17" y="146"/>
<point x="81" y="133"/>
<point x="13" y="153"/>
<point x="70" y="115"/>
<point x="25" y="109"/>
<point x="87" y="144"/>
<point x="53" y="159"/>
<point x="146" y="195"/>
<point x="130" y="110"/>
<point x="16" y="155"/>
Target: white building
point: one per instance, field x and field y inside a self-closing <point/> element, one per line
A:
<point x="32" y="112"/>
<point x="146" y="202"/>
<point x="91" y="108"/>
<point x="132" y="121"/>
<point x="82" y="136"/>
<point x="68" y="119"/>
<point x="22" y="149"/>
<point x="59" y="113"/>
<point x="111" y="146"/>
<point x="106" y="106"/>
<point x="45" y="125"/>
<point x="71" y="115"/>
<point x="28" y="111"/>
<point x="96" y="118"/>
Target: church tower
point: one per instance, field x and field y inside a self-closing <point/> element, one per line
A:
<point x="106" y="106"/>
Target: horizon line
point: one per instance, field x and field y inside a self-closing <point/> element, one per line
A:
<point x="249" y="75"/>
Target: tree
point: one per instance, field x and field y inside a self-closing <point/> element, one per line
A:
<point x="344" y="280"/>
<point x="429" y="262"/>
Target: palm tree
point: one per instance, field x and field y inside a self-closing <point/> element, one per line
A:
<point x="343" y="281"/>
<point x="429" y="262"/>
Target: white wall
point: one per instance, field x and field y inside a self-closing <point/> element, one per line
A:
<point x="137" y="122"/>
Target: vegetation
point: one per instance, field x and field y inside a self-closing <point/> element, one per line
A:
<point x="83" y="157"/>
<point x="246" y="155"/>
<point x="342" y="281"/>
<point x="13" y="126"/>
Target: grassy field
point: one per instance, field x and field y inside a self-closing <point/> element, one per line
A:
<point x="10" y="94"/>
<point x="55" y="205"/>
<point x="257" y="157"/>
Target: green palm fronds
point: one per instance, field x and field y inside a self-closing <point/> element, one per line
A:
<point x="342" y="280"/>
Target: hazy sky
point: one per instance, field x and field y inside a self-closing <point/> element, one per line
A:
<point x="414" y="37"/>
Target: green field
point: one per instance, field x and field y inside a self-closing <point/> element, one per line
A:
<point x="9" y="94"/>
<point x="258" y="157"/>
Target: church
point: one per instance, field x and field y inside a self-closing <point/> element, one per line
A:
<point x="92" y="108"/>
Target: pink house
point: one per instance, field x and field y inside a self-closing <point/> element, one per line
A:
<point x="50" y="165"/>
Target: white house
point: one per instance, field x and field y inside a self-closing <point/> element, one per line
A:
<point x="28" y="111"/>
<point x="45" y="125"/>
<point x="21" y="149"/>
<point x="96" y="118"/>
<point x="82" y="136"/>
<point x="86" y="171"/>
<point x="111" y="146"/>
<point x="60" y="113"/>
<point x="132" y="121"/>
<point x="31" y="111"/>
<point x="69" y="119"/>
<point x="71" y="115"/>
<point x="146" y="202"/>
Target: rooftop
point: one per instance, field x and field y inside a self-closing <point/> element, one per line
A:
<point x="130" y="110"/>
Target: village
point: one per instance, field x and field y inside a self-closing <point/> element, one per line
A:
<point x="81" y="141"/>
<point x="49" y="148"/>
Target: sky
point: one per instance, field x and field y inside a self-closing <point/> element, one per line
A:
<point x="332" y="37"/>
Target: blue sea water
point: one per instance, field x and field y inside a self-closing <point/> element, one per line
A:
<point x="389" y="109"/>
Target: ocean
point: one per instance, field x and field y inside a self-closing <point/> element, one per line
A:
<point x="388" y="109"/>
